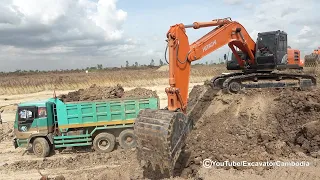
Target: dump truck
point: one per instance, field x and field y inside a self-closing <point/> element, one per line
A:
<point x="43" y="126"/>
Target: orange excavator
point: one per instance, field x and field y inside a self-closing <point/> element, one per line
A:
<point x="161" y="133"/>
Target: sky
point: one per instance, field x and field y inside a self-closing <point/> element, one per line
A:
<point x="70" y="34"/>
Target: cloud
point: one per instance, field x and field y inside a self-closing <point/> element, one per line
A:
<point x="47" y="23"/>
<point x="289" y="10"/>
<point x="232" y="2"/>
<point x="249" y="6"/>
<point x="53" y="30"/>
<point x="299" y="21"/>
<point x="305" y="30"/>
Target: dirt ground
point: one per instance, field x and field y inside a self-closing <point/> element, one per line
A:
<point x="256" y="125"/>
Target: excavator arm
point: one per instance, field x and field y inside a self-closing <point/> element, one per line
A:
<point x="181" y="54"/>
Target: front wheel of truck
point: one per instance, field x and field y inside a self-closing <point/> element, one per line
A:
<point x="40" y="147"/>
<point x="104" y="142"/>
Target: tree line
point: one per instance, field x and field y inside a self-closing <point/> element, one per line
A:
<point x="127" y="65"/>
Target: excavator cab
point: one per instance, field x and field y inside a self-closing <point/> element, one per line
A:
<point x="270" y="52"/>
<point x="271" y="49"/>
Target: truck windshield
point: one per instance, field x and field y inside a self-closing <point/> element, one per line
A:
<point x="266" y="45"/>
<point x="26" y="113"/>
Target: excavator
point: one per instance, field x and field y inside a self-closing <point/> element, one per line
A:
<point x="161" y="133"/>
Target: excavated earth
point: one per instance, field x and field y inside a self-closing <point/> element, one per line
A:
<point x="95" y="92"/>
<point x="255" y="125"/>
<point x="258" y="125"/>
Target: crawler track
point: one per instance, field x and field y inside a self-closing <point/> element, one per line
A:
<point x="236" y="81"/>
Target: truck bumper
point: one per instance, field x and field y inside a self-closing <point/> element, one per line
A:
<point x="15" y="143"/>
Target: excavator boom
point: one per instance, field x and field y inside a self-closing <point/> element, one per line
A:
<point x="181" y="54"/>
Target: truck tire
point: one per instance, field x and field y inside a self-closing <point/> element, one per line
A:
<point x="40" y="147"/>
<point x="104" y="142"/>
<point x="127" y="139"/>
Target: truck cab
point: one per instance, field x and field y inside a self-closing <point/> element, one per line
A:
<point x="32" y="119"/>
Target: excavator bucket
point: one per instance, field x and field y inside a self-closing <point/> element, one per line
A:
<point x="311" y="62"/>
<point x="160" y="137"/>
<point x="161" y="133"/>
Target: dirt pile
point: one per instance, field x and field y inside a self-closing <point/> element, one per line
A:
<point x="254" y="126"/>
<point x="140" y="92"/>
<point x="95" y="92"/>
<point x="6" y="131"/>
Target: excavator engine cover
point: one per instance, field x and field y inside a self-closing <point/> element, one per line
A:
<point x="160" y="137"/>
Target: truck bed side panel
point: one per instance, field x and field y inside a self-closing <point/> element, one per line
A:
<point x="98" y="113"/>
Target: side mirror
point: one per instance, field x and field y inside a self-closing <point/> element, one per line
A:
<point x="225" y="56"/>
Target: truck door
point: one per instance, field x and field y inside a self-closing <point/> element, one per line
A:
<point x="26" y="116"/>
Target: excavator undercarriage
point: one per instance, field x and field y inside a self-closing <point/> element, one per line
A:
<point x="234" y="82"/>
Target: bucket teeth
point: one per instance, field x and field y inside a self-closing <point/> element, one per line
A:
<point x="160" y="136"/>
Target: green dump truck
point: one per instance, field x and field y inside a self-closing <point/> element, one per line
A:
<point x="43" y="126"/>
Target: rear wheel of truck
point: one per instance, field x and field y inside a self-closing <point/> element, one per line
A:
<point x="40" y="147"/>
<point x="127" y="139"/>
<point x="104" y="142"/>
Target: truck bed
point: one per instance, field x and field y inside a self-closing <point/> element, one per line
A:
<point x="101" y="113"/>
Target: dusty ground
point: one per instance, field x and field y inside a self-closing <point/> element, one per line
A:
<point x="253" y="126"/>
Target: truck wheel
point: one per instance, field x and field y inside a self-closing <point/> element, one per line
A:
<point x="104" y="142"/>
<point x="40" y="147"/>
<point x="127" y="139"/>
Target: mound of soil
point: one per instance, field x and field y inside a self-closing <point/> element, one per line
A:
<point x="6" y="131"/>
<point x="95" y="92"/>
<point x="256" y="126"/>
<point x="140" y="92"/>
